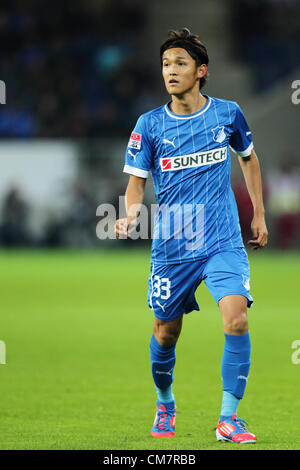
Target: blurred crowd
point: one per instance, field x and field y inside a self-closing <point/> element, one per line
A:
<point x="75" y="227"/>
<point x="72" y="69"/>
<point x="77" y="69"/>
<point x="281" y="193"/>
<point x="267" y="36"/>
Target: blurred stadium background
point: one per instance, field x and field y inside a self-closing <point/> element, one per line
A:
<point x="77" y="75"/>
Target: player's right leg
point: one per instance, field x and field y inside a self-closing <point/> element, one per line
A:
<point x="162" y="355"/>
<point x="170" y="295"/>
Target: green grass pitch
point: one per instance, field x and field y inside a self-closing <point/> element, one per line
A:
<point x="77" y="328"/>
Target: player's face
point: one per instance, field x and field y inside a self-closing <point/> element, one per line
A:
<point x="180" y="72"/>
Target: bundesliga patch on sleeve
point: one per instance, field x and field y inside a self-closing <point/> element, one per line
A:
<point x="135" y="141"/>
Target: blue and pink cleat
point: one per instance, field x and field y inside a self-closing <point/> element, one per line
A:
<point x="234" y="430"/>
<point x="164" y="422"/>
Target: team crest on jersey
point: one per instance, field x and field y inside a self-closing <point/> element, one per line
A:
<point x="135" y="141"/>
<point x="219" y="134"/>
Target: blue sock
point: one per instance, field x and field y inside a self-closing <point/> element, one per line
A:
<point x="162" y="362"/>
<point x="235" y="370"/>
<point x="229" y="405"/>
<point x="165" y="395"/>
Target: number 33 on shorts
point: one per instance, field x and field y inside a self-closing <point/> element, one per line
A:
<point x="171" y="290"/>
<point x="159" y="292"/>
<point x="161" y="287"/>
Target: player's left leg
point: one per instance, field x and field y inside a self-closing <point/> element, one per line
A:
<point x="227" y="277"/>
<point x="235" y="368"/>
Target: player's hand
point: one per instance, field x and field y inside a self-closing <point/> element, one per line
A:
<point x="260" y="233"/>
<point x="123" y="227"/>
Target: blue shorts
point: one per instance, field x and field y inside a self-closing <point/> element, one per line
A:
<point x="172" y="287"/>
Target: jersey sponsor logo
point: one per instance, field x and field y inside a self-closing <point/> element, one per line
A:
<point x="219" y="134"/>
<point x="135" y="141"/>
<point x="193" y="160"/>
<point x="166" y="164"/>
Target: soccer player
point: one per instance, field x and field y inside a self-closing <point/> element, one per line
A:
<point x="185" y="146"/>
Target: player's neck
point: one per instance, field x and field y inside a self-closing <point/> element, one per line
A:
<point x="189" y="103"/>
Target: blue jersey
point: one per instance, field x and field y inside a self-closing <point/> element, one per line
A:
<point x="189" y="160"/>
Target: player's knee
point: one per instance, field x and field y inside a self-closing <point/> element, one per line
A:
<point x="166" y="334"/>
<point x="166" y="337"/>
<point x="239" y="324"/>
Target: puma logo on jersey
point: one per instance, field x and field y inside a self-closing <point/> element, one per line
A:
<point x="171" y="142"/>
<point x="161" y="306"/>
<point x="133" y="155"/>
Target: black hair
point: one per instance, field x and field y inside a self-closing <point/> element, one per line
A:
<point x="191" y="43"/>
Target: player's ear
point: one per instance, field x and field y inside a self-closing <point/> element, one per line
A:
<point x="202" y="69"/>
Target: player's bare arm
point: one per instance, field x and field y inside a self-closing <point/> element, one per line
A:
<point x="251" y="171"/>
<point x="133" y="197"/>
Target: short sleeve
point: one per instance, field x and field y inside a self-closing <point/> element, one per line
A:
<point x="240" y="140"/>
<point x="138" y="157"/>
